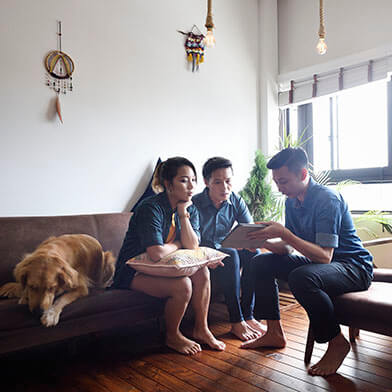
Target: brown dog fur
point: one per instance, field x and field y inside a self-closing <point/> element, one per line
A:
<point x="58" y="272"/>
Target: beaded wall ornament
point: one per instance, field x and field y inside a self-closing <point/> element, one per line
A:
<point x="194" y="47"/>
<point x="59" y="67"/>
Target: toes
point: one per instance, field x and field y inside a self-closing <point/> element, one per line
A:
<point x="249" y="344"/>
<point x="196" y="348"/>
<point x="320" y="371"/>
<point x="221" y="346"/>
<point x="250" y="336"/>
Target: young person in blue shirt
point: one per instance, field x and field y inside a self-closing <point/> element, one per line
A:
<point x="160" y="225"/>
<point x="332" y="261"/>
<point x="219" y="209"/>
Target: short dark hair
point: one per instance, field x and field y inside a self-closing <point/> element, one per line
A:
<point x="215" y="163"/>
<point x="167" y="170"/>
<point x="294" y="158"/>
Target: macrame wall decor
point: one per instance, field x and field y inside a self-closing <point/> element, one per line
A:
<point x="194" y="47"/>
<point x="59" y="67"/>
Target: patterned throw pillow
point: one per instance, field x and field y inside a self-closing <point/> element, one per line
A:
<point x="182" y="262"/>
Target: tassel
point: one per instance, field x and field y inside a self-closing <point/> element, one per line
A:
<point x="58" y="108"/>
<point x="190" y="57"/>
<point x="198" y="59"/>
<point x="201" y="59"/>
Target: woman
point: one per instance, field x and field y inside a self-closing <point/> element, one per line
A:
<point x="162" y="224"/>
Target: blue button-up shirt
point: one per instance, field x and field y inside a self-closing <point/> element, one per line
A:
<point x="149" y="225"/>
<point x="216" y="223"/>
<point x="324" y="219"/>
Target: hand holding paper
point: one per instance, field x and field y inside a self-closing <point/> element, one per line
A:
<point x="238" y="237"/>
<point x="270" y="230"/>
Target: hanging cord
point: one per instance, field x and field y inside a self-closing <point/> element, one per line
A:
<point x="322" y="27"/>
<point x="59" y="35"/>
<point x="194" y="27"/>
<point x="209" y="23"/>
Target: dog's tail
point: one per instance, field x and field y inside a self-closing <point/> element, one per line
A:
<point x="108" y="267"/>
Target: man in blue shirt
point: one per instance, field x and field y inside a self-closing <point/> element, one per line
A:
<point x="332" y="261"/>
<point x="219" y="209"/>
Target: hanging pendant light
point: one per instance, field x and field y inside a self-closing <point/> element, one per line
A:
<point x="209" y="39"/>
<point x="321" y="45"/>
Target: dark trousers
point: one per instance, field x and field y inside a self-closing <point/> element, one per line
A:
<point x="312" y="284"/>
<point x="237" y="288"/>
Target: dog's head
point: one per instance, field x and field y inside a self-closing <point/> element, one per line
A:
<point x="42" y="278"/>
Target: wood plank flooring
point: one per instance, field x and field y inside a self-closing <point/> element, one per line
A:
<point x="136" y="361"/>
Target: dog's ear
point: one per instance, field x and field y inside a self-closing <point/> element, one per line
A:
<point x="67" y="276"/>
<point x="21" y="271"/>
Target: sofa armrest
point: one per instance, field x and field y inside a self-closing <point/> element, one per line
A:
<point x="382" y="275"/>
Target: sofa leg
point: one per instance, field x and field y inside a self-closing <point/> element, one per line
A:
<point x="353" y="333"/>
<point x="309" y="345"/>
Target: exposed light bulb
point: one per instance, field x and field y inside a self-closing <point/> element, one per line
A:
<point x="209" y="39"/>
<point x="321" y="46"/>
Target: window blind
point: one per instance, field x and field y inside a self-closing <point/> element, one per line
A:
<point x="318" y="85"/>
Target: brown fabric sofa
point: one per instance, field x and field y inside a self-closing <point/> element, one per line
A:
<point x="100" y="310"/>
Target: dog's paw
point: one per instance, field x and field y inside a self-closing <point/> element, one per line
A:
<point x="23" y="300"/>
<point x="11" y="290"/>
<point x="50" y="317"/>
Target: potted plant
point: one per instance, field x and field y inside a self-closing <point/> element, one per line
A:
<point x="258" y="193"/>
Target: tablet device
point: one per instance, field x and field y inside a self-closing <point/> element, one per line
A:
<point x="237" y="238"/>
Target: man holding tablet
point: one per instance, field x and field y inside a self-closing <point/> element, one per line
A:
<point x="219" y="209"/>
<point x="332" y="261"/>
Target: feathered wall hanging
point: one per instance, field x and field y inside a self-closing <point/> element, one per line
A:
<point x="194" y="47"/>
<point x="59" y="67"/>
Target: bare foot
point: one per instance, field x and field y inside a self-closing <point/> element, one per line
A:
<point x="244" y="331"/>
<point x="257" y="326"/>
<point x="183" y="345"/>
<point x="270" y="339"/>
<point x="337" y="350"/>
<point x="206" y="336"/>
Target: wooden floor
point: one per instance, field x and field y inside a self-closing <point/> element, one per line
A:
<point x="137" y="361"/>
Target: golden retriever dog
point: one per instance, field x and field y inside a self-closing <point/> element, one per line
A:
<point x="58" y="272"/>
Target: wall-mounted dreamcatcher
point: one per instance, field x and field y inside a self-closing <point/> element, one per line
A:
<point x="59" y="67"/>
<point x="194" y="47"/>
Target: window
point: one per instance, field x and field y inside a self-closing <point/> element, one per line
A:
<point x="349" y="133"/>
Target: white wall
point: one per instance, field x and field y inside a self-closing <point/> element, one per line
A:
<point x="352" y="27"/>
<point x="134" y="99"/>
<point x="268" y="74"/>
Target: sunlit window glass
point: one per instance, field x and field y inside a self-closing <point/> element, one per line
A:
<point x="350" y="129"/>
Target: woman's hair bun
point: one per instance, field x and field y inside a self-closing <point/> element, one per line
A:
<point x="156" y="184"/>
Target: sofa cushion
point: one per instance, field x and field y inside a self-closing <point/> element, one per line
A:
<point x="98" y="301"/>
<point x="100" y="311"/>
<point x="370" y="310"/>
